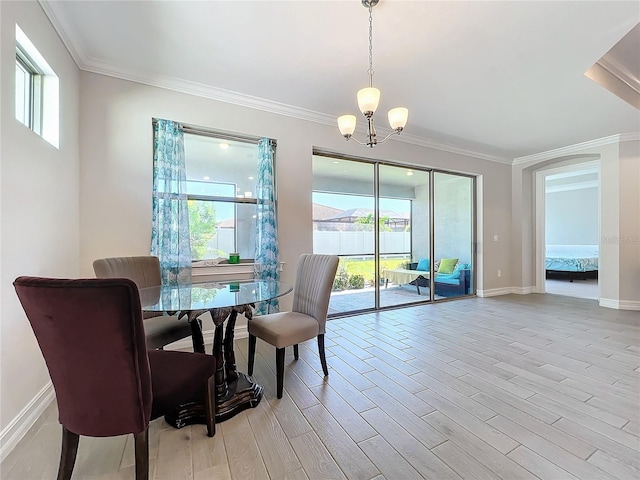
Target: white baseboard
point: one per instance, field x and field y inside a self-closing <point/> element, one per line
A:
<point x="620" y="304"/>
<point x="523" y="290"/>
<point x="604" y="302"/>
<point x="18" y="427"/>
<point x="494" y="292"/>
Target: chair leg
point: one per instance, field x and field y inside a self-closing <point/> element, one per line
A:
<point x="68" y="455"/>
<point x="279" y="371"/>
<point x="141" y="447"/>
<point x="323" y="359"/>
<point x="295" y="352"/>
<point x="252" y="353"/>
<point x="210" y="406"/>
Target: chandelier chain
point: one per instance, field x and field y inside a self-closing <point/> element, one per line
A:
<point x="370" y="71"/>
<point x="368" y="100"/>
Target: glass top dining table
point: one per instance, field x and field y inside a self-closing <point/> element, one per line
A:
<point x="207" y="296"/>
<point x="235" y="391"/>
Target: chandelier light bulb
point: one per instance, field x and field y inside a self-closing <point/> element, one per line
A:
<point x="347" y="124"/>
<point x="368" y="100"/>
<point x="398" y="118"/>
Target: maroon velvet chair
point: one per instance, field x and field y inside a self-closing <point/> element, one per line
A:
<point x="106" y="382"/>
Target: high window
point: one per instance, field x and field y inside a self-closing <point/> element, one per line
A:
<point x="36" y="91"/>
<point x="28" y="91"/>
<point x="221" y="190"/>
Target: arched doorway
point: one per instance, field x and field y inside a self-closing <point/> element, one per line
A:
<point x="567" y="205"/>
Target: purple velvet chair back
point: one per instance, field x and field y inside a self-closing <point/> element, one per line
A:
<point x="91" y="335"/>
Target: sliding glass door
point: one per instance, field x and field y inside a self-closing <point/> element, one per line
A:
<point x="404" y="235"/>
<point x="344" y="208"/>
<point x="453" y="220"/>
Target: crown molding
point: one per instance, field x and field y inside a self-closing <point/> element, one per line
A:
<point x="228" y="96"/>
<point x="445" y="147"/>
<point x="618" y="70"/>
<point x="577" y="148"/>
<point x="630" y="137"/>
<point x="55" y="13"/>
<point x="75" y="46"/>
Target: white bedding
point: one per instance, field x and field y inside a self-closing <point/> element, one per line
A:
<point x="571" y="258"/>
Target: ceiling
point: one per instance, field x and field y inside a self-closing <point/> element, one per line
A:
<point x="502" y="79"/>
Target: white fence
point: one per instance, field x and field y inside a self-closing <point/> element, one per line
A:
<point x="358" y="243"/>
<point x="330" y="242"/>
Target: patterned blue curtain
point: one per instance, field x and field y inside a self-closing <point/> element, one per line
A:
<point x="170" y="229"/>
<point x="267" y="258"/>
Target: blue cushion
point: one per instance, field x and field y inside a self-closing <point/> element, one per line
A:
<point x="423" y="264"/>
<point x="449" y="281"/>
<point x="447" y="276"/>
<point x="453" y="278"/>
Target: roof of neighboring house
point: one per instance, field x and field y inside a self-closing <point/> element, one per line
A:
<point x="354" y="213"/>
<point x="325" y="213"/>
<point x="322" y="212"/>
<point x="228" y="223"/>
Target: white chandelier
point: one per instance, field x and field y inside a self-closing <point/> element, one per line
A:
<point x="368" y="99"/>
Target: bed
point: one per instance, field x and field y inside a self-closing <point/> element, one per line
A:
<point x="571" y="261"/>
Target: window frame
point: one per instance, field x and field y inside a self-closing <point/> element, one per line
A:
<point x="221" y="135"/>
<point x="216" y="199"/>
<point x="43" y="113"/>
<point x="32" y="100"/>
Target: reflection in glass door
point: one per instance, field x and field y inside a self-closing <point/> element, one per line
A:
<point x="453" y="220"/>
<point x="343" y="225"/>
<point x="403" y="233"/>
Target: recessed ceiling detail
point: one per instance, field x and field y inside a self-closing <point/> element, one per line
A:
<point x="619" y="69"/>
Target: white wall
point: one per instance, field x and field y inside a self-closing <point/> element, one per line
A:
<point x="572" y="217"/>
<point x="116" y="177"/>
<point x="618" y="273"/>
<point x="629" y="236"/>
<point x="39" y="208"/>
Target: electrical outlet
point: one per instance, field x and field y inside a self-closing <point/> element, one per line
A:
<point x="499" y="272"/>
<point x="495" y="238"/>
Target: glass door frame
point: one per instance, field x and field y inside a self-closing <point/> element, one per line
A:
<point x="376" y="163"/>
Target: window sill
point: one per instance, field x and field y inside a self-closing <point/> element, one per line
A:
<point x="242" y="269"/>
<point x="222" y="269"/>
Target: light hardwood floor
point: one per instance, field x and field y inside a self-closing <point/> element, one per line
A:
<point x="512" y="387"/>
<point x="577" y="288"/>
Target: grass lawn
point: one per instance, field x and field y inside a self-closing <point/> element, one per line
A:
<point x="366" y="267"/>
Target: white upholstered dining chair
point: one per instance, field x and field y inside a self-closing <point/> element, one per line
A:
<point x="307" y="318"/>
